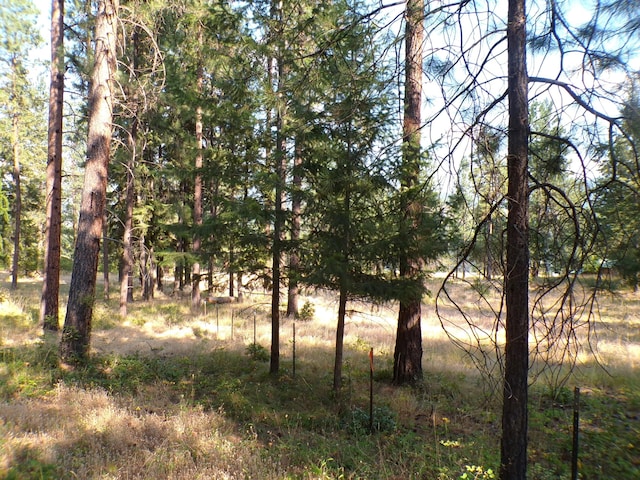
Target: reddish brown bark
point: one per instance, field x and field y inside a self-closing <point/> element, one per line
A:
<point x="76" y="334"/>
<point x="407" y="364"/>
<point x="49" y="305"/>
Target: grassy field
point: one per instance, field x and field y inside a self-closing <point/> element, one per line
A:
<point x="172" y="395"/>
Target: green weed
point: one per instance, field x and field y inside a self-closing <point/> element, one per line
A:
<point x="307" y="312"/>
<point x="257" y="352"/>
<point x="358" y="420"/>
<point x="27" y="467"/>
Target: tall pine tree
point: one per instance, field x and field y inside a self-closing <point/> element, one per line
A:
<point x="76" y="334"/>
<point x="53" y="227"/>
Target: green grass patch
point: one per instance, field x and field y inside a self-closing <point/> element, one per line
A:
<point x="28" y="371"/>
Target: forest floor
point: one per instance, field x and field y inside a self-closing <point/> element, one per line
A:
<point x="179" y="395"/>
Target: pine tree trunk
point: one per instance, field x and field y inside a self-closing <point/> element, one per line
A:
<point x="17" y="208"/>
<point x="489" y="256"/>
<point x="214" y="190"/>
<point x="178" y="277"/>
<point x="239" y="286"/>
<point x="144" y="267"/>
<point x="342" y="313"/>
<point x="49" y="305"/>
<point x="407" y="357"/>
<point x="159" y="274"/>
<point x="514" y="410"/>
<point x="278" y="223"/>
<point x="127" y="261"/>
<point x="76" y="334"/>
<point x="197" y="192"/>
<point x="126" y="292"/>
<point x="277" y="250"/>
<point x="344" y="292"/>
<point x="231" y="273"/>
<point x="296" y="207"/>
<point x="407" y="365"/>
<point x="105" y="256"/>
<point x="152" y="272"/>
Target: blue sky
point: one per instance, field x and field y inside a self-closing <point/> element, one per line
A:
<point x="44" y="25"/>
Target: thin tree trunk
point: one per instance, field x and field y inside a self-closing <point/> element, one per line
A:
<point x="197" y="191"/>
<point x="152" y="272"/>
<point x="126" y="280"/>
<point x="178" y="277"/>
<point x="105" y="256"/>
<point x="159" y="274"/>
<point x="489" y="257"/>
<point x="344" y="291"/>
<point x="151" y="237"/>
<point x="239" y="286"/>
<point x="215" y="186"/>
<point x="210" y="276"/>
<point x="197" y="214"/>
<point x="144" y="268"/>
<point x="76" y="334"/>
<point x="126" y="293"/>
<point x="278" y="226"/>
<point x="17" y="208"/>
<point x="515" y="394"/>
<point x="296" y="207"/>
<point x="407" y="357"/>
<point x="231" y="273"/>
<point x="49" y="304"/>
<point x="278" y="223"/>
<point x="130" y="298"/>
<point x="337" y="365"/>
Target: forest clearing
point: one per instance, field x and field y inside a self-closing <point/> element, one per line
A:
<point x="169" y="394"/>
<point x="444" y="196"/>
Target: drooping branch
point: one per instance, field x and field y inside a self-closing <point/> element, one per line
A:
<point x="577" y="98"/>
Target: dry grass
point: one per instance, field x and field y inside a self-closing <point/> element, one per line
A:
<point x="174" y="395"/>
<point x="93" y="435"/>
